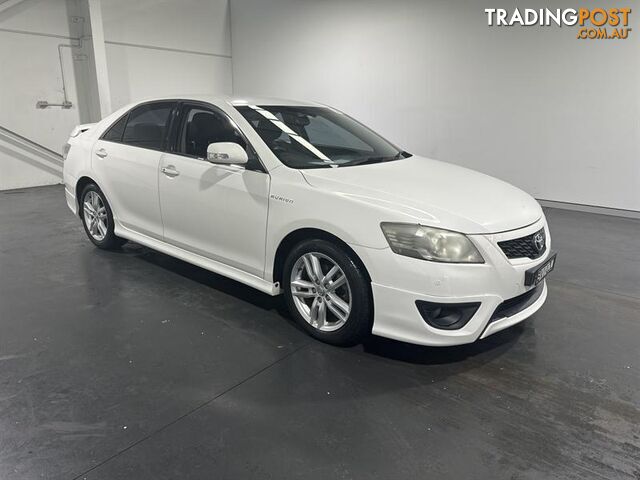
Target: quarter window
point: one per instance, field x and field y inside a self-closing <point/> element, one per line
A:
<point x="147" y="125"/>
<point x="114" y="134"/>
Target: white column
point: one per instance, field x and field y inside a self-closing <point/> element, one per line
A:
<point x="100" y="57"/>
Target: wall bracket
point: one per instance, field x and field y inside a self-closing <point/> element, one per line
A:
<point x="41" y="104"/>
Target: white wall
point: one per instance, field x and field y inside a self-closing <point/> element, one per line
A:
<point x="557" y="116"/>
<point x="166" y="47"/>
<point x="153" y="47"/>
<point x="30" y="71"/>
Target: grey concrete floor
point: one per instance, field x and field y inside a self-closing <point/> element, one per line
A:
<point x="135" y="365"/>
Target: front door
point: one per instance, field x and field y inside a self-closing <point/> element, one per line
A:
<point x="218" y="211"/>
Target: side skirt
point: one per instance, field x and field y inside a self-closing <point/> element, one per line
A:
<point x="200" y="261"/>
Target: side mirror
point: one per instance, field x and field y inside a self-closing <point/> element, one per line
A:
<point x="226" y="153"/>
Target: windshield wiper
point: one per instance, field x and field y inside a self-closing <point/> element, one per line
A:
<point x="371" y="160"/>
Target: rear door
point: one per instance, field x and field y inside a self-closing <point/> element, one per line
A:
<point x="217" y="211"/>
<point x="127" y="159"/>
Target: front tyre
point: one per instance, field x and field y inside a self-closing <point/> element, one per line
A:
<point x="97" y="218"/>
<point x="327" y="293"/>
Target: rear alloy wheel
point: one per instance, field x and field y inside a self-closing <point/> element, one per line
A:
<point x="328" y="293"/>
<point x="97" y="218"/>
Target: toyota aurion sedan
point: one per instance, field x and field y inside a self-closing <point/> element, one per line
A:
<point x="299" y="199"/>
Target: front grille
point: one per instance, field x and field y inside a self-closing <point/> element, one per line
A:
<point x="524" y="247"/>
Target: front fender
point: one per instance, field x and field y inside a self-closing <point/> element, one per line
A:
<point x="295" y="205"/>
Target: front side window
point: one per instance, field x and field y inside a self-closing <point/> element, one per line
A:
<point x="202" y="126"/>
<point x="147" y="125"/>
<point x="317" y="137"/>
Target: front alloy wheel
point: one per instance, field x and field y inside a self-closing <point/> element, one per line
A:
<point x="321" y="291"/>
<point x="328" y="292"/>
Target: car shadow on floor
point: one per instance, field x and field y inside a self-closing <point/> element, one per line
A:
<point x="492" y="346"/>
<point x="204" y="277"/>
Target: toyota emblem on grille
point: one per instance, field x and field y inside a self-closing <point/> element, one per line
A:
<point x="538" y="241"/>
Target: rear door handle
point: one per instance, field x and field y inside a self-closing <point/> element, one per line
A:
<point x="170" y="171"/>
<point x="101" y="153"/>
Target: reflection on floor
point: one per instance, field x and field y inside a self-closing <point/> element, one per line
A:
<point x="132" y="364"/>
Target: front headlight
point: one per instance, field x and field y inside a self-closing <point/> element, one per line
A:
<point x="429" y="243"/>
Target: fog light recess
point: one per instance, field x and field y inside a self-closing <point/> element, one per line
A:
<point x="447" y="316"/>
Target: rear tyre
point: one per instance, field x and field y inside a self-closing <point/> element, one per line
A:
<point x="97" y="218"/>
<point x="328" y="293"/>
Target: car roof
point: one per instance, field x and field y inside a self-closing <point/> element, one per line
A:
<point x="235" y="100"/>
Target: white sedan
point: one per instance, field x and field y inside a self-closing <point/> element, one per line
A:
<point x="300" y="199"/>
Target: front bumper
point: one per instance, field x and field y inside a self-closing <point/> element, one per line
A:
<point x="398" y="282"/>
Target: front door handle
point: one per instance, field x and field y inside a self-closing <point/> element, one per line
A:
<point x="101" y="153"/>
<point x="170" y="171"/>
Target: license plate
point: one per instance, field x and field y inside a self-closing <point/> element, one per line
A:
<point x="535" y="275"/>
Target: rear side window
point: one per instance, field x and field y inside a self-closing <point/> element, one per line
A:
<point x="147" y="125"/>
<point x="114" y="134"/>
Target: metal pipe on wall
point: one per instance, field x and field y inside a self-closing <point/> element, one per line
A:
<point x="66" y="103"/>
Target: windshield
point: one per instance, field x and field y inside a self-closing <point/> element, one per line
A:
<point x="318" y="137"/>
